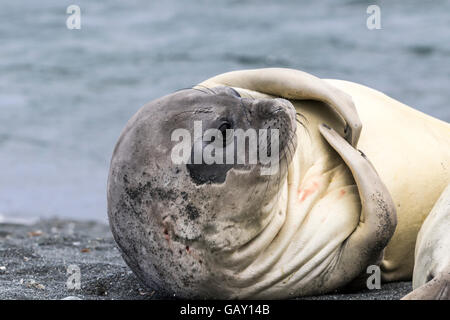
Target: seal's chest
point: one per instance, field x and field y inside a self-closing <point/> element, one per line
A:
<point x="323" y="206"/>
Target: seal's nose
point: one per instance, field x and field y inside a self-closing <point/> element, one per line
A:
<point x="265" y="108"/>
<point x="289" y="109"/>
<point x="268" y="108"/>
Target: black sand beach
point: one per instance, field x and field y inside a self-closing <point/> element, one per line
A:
<point x="34" y="261"/>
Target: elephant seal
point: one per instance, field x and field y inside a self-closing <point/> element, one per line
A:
<point x="431" y="278"/>
<point x="226" y="231"/>
<point x="409" y="149"/>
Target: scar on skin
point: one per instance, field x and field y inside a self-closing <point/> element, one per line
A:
<point x="342" y="193"/>
<point x="167" y="237"/>
<point x="191" y="252"/>
<point x="305" y="193"/>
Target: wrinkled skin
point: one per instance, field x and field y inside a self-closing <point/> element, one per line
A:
<point x="230" y="232"/>
<point x="410" y="151"/>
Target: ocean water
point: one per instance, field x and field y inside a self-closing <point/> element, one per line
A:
<point x="65" y="95"/>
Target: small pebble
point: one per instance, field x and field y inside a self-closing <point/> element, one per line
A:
<point x="71" y="298"/>
<point x="145" y="293"/>
<point x="32" y="284"/>
<point x="36" y="233"/>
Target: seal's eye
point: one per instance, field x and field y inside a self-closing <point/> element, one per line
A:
<point x="226" y="136"/>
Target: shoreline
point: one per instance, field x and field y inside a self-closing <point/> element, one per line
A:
<point x="34" y="262"/>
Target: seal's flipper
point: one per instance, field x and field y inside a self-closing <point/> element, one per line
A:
<point x="378" y="217"/>
<point x="436" y="289"/>
<point x="295" y="85"/>
<point x="431" y="278"/>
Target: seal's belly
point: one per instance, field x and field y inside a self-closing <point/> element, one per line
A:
<point x="411" y="152"/>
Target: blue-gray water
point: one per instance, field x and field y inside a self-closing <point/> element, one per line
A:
<point x="65" y="95"/>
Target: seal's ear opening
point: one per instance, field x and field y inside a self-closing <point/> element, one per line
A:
<point x="235" y="93"/>
<point x="225" y="90"/>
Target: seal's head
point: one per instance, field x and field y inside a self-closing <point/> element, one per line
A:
<point x="180" y="194"/>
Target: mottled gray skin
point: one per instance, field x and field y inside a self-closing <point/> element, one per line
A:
<point x="153" y="204"/>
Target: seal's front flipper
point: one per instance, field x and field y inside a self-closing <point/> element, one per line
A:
<point x="431" y="278"/>
<point x="295" y="85"/>
<point x="378" y="217"/>
<point x="436" y="289"/>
